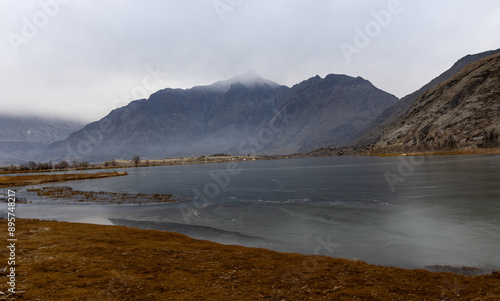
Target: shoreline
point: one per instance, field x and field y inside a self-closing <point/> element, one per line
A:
<point x="118" y="163"/>
<point x="65" y="261"/>
<point x="366" y="151"/>
<point x="321" y="152"/>
<point x="444" y="153"/>
<point x="18" y="181"/>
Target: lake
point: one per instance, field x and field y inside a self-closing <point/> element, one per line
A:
<point x="410" y="212"/>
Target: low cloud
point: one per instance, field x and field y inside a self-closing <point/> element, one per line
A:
<point x="85" y="55"/>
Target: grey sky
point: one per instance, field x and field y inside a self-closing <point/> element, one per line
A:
<point x="83" y="58"/>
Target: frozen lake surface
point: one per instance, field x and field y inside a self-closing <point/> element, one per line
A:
<point x="394" y="211"/>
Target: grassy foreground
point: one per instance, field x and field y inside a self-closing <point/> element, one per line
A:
<point x="66" y="261"/>
<point x="14" y="181"/>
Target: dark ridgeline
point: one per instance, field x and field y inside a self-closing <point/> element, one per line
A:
<point x="329" y="111"/>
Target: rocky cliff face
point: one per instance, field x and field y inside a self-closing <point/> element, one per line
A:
<point x="460" y="113"/>
<point x="246" y="114"/>
<point x="375" y="129"/>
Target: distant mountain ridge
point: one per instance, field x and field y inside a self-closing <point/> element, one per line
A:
<point x="232" y="116"/>
<point x="22" y="138"/>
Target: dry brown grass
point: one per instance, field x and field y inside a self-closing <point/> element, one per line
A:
<point x="64" y="261"/>
<point x="14" y="181"/>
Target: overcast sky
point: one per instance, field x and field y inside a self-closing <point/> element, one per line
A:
<point x="83" y="58"/>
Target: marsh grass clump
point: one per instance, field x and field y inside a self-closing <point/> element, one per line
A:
<point x="68" y="194"/>
<point x="15" y="181"/>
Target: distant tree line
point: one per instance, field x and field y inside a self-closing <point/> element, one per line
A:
<point x="219" y="155"/>
<point x="77" y="165"/>
<point x="32" y="166"/>
<point x="111" y="163"/>
<point x="136" y="160"/>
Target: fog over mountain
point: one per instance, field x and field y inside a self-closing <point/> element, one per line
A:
<point x="79" y="58"/>
<point x="24" y="137"/>
<point x="245" y="114"/>
<point x="248" y="114"/>
<point x="250" y="79"/>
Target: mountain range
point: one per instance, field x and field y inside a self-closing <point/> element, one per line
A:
<point x="23" y="138"/>
<point x="243" y="115"/>
<point x="251" y="115"/>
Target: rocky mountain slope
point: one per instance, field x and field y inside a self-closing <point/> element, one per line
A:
<point x="21" y="138"/>
<point x="375" y="129"/>
<point x="243" y="115"/>
<point x="329" y="111"/>
<point x="460" y="113"/>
